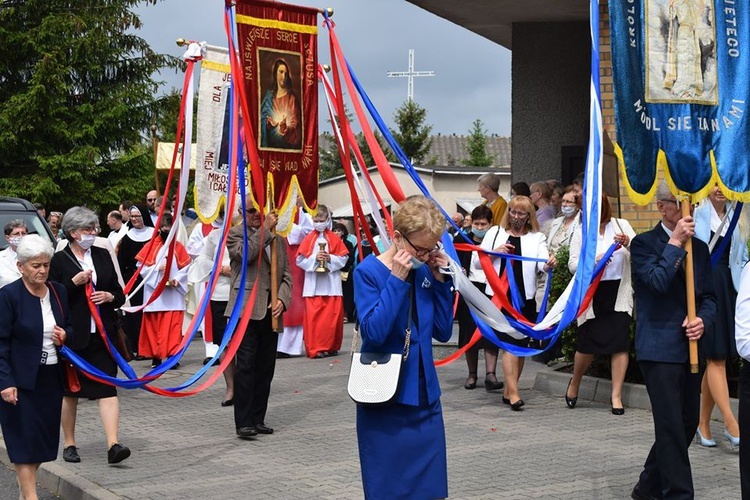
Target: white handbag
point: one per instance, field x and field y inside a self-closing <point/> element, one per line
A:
<point x="374" y="376"/>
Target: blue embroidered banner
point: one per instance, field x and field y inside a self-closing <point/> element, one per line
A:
<point x="680" y="70"/>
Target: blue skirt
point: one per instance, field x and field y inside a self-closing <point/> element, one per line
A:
<point x="402" y="452"/>
<point x="31" y="427"/>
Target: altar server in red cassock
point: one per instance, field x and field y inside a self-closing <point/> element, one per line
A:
<point x="161" y="328"/>
<point x="323" y="324"/>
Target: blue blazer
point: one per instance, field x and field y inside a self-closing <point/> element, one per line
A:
<point x="383" y="307"/>
<point x="21" y="331"/>
<point x="660" y="301"/>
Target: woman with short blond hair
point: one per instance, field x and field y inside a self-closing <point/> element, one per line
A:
<point x="402" y="447"/>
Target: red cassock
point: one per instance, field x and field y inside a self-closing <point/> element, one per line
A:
<point x="323" y="323"/>
<point x="161" y="327"/>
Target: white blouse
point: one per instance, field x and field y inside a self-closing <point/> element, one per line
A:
<point x="48" y="322"/>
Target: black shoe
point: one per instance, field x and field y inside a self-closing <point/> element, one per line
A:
<point x="282" y="355"/>
<point x="263" y="429"/>
<point x="637" y="494"/>
<point x="571" y="402"/>
<point x="206" y="360"/>
<point x="506" y="401"/>
<point x="70" y="454"/>
<point x="321" y="355"/>
<point x="333" y="353"/>
<point x="490" y="385"/>
<point x="227" y="402"/>
<point x="246" y="432"/>
<point x="176" y="366"/>
<point x="155" y="362"/>
<point x="471" y="381"/>
<point x="117" y="453"/>
<point x="618" y="411"/>
<point x="517" y="406"/>
<point x="138" y="357"/>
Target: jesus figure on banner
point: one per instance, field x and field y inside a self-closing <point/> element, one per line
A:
<point x="281" y="120"/>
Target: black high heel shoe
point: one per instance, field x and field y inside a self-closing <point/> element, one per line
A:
<point x="490" y="385"/>
<point x="571" y="402"/>
<point x="471" y="385"/>
<point x="517" y="406"/>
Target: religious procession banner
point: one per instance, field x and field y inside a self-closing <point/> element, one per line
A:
<point x="681" y="71"/>
<point x="278" y="49"/>
<point x="212" y="152"/>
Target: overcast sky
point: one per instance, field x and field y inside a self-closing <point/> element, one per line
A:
<point x="472" y="74"/>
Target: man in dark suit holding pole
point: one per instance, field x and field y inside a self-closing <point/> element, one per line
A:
<point x="256" y="357"/>
<point x="661" y="344"/>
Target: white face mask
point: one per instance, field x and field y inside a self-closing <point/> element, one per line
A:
<point x="568" y="211"/>
<point x="14" y="240"/>
<point x="86" y="241"/>
<point x="320" y="226"/>
<point x="416" y="263"/>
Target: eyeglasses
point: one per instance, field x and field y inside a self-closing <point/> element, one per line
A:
<point x="89" y="230"/>
<point x="57" y="214"/>
<point x="150" y="199"/>
<point x="421" y="252"/>
<point x="516" y="213"/>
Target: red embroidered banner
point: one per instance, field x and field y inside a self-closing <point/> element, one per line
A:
<point x="278" y="46"/>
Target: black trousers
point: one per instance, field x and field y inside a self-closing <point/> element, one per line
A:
<point x="675" y="402"/>
<point x="256" y="362"/>
<point x="744" y="418"/>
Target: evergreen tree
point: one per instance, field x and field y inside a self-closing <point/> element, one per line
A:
<point x="76" y="95"/>
<point x="330" y="159"/>
<point x="413" y="135"/>
<point x="476" y="146"/>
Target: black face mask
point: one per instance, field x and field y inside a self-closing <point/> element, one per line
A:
<point x="163" y="234"/>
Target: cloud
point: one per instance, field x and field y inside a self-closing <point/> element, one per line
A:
<point x="472" y="74"/>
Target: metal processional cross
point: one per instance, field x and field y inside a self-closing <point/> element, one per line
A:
<point x="410" y="75"/>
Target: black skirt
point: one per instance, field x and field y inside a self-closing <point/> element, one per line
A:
<point x="97" y="354"/>
<point x="467" y="325"/>
<point x="31" y="428"/>
<point x="718" y="340"/>
<point x="609" y="331"/>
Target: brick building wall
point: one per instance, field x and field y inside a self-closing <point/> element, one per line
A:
<point x="640" y="217"/>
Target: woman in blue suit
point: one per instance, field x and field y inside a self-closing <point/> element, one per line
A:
<point x="402" y="447"/>
<point x="35" y="321"/>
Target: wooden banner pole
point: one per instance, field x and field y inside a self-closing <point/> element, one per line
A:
<point x="690" y="288"/>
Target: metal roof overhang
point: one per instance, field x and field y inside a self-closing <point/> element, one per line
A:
<point x="493" y="19"/>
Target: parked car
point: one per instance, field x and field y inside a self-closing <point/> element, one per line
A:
<point x="17" y="208"/>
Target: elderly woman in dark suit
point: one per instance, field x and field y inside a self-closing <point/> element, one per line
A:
<point x="32" y="311"/>
<point x="75" y="266"/>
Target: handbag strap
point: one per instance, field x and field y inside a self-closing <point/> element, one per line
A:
<point x="59" y="303"/>
<point x="407" y="338"/>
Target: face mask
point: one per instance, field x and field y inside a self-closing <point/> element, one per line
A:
<point x="568" y="211"/>
<point x="86" y="241"/>
<point x="163" y="234"/>
<point x="517" y="224"/>
<point x="479" y="233"/>
<point x="416" y="263"/>
<point x="320" y="226"/>
<point x="14" y="240"/>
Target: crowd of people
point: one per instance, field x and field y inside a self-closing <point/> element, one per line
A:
<point x="322" y="282"/>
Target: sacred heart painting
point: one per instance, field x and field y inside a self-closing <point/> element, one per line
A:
<point x="281" y="125"/>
